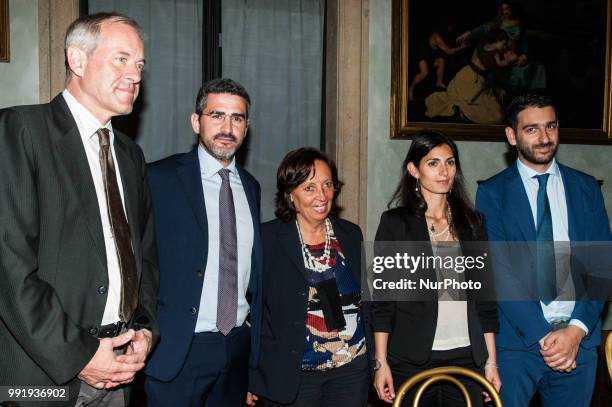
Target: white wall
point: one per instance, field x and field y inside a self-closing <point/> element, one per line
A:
<point x="19" y="78"/>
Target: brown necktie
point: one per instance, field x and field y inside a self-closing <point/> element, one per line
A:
<point x="120" y="230"/>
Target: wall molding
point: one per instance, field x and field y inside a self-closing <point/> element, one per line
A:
<point x="54" y="17"/>
<point x="346" y="101"/>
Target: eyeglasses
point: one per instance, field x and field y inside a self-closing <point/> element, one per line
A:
<point x="237" y="119"/>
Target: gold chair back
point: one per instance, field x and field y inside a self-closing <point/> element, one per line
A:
<point x="609" y="354"/>
<point x="438" y="374"/>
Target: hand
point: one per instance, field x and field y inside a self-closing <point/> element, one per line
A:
<point x="138" y="349"/>
<point x="383" y="383"/>
<point x="559" y="348"/>
<point x="136" y="352"/>
<point x="103" y="370"/>
<point x="464" y="37"/>
<point x="492" y="375"/>
<point x="510" y="56"/>
<point x="541" y="341"/>
<point x="251" y="399"/>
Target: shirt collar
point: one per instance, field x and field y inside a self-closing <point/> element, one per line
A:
<point x="87" y="122"/>
<point x="209" y="166"/>
<point x="528" y="173"/>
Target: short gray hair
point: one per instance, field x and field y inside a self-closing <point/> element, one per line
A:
<point x="84" y="32"/>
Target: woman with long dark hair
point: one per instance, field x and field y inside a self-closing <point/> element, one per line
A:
<point x="430" y="205"/>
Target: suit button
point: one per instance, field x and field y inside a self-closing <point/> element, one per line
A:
<point x="193" y="310"/>
<point x="294" y="352"/>
<point x="102" y="290"/>
<point x="93" y="331"/>
<point x="199" y="273"/>
<point x="302" y="293"/>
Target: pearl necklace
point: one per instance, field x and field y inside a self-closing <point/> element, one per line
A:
<point x="435" y="237"/>
<point x="310" y="261"/>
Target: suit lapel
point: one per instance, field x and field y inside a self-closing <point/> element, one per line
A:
<point x="517" y="208"/>
<point x="67" y="141"/>
<point x="129" y="175"/>
<point x="574" y="202"/>
<point x="250" y="191"/>
<point x="416" y="232"/>
<point x="290" y="241"/>
<point x="350" y="245"/>
<point x="416" y="228"/>
<point x="251" y="196"/>
<point x="189" y="175"/>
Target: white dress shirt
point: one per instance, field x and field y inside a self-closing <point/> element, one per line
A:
<point x="556" y="310"/>
<point x="211" y="185"/>
<point x="88" y="125"/>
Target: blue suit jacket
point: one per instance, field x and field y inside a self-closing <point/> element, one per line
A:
<point x="182" y="242"/>
<point x="503" y="201"/>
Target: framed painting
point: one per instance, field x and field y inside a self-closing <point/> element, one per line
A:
<point x="455" y="65"/>
<point x="4" y="32"/>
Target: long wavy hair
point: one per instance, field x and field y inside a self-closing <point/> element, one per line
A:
<point x="466" y="221"/>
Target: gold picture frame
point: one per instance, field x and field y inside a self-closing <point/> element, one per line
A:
<point x="405" y="122"/>
<point x="5" y="49"/>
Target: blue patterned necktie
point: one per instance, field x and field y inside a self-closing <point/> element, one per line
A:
<point x="227" y="294"/>
<point x="546" y="268"/>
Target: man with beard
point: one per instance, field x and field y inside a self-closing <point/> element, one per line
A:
<point x="207" y="222"/>
<point x="544" y="345"/>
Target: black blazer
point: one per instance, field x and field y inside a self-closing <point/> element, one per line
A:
<point x="53" y="271"/>
<point x="412" y="325"/>
<point x="285" y="297"/>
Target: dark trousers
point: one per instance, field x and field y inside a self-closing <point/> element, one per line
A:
<point x="440" y="394"/>
<point x="346" y="386"/>
<point x="215" y="373"/>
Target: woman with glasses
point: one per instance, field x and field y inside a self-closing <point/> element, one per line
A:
<point x="313" y="347"/>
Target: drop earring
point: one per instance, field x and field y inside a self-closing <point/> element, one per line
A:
<point x="417" y="187"/>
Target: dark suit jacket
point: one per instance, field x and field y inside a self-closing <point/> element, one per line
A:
<point x="285" y="297"/>
<point x="412" y="324"/>
<point x="53" y="271"/>
<point x="503" y="200"/>
<point x="182" y="241"/>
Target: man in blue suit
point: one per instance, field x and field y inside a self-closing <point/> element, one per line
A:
<point x="547" y="345"/>
<point x="207" y="222"/>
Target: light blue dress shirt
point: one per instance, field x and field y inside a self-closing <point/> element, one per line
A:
<point x="211" y="185"/>
<point x="556" y="310"/>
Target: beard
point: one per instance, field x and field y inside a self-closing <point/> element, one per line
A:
<point x="529" y="153"/>
<point x="219" y="152"/>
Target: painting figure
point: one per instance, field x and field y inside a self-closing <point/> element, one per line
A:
<point x="523" y="74"/>
<point x="432" y="54"/>
<point x="474" y="93"/>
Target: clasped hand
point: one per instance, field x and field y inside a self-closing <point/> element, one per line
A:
<point x="107" y="369"/>
<point x="559" y="348"/>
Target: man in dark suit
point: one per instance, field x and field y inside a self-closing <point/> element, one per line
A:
<point x="544" y="345"/>
<point x="207" y="223"/>
<point x="78" y="268"/>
